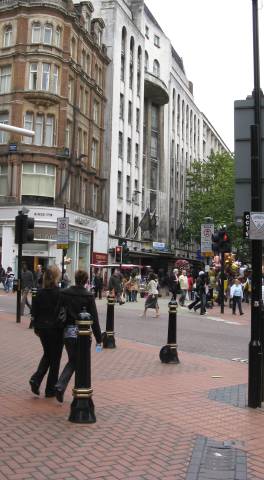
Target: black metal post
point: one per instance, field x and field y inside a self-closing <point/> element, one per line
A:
<point x="168" y="353"/>
<point x="63" y="251"/>
<point x="19" y="268"/>
<point x="108" y="337"/>
<point x="255" y="345"/>
<point x="82" y="407"/>
<point x="222" y="283"/>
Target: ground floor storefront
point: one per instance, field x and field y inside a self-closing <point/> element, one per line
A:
<point x="86" y="236"/>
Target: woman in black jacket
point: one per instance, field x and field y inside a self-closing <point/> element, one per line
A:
<point x="74" y="299"/>
<point x="45" y="320"/>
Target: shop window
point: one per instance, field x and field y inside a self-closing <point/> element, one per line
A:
<point x="4" y="118"/>
<point x="3" y="180"/>
<point x="5" y="79"/>
<point x="38" y="180"/>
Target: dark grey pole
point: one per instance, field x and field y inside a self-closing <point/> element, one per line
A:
<point x="63" y="251"/>
<point x="255" y="346"/>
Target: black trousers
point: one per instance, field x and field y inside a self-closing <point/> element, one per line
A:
<point x="52" y="343"/>
<point x="237" y="302"/>
<point x="69" y="369"/>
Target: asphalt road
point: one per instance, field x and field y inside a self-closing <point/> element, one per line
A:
<point x="195" y="333"/>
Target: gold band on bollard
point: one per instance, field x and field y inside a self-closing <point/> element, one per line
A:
<point x="82" y="392"/>
<point x="85" y="332"/>
<point x="110" y="333"/>
<point x="111" y="300"/>
<point x="172" y="309"/>
<point x="172" y="345"/>
<point x="83" y="322"/>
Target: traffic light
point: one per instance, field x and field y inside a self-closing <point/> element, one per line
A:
<point x="224" y="243"/>
<point x="215" y="242"/>
<point x="118" y="254"/>
<point x="24" y="228"/>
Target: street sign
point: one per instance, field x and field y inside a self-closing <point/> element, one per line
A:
<point x="63" y="233"/>
<point x="256" y="226"/>
<point x="207" y="230"/>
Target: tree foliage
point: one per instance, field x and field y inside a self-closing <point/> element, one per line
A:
<point x="211" y="193"/>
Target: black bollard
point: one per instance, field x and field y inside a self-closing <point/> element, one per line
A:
<point x="82" y="407"/>
<point x="33" y="295"/>
<point x="168" y="353"/>
<point x="108" y="337"/>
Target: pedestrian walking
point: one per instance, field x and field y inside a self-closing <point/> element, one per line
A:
<point x="236" y="293"/>
<point x="115" y="285"/>
<point x="9" y="280"/>
<point x="38" y="277"/>
<point x="183" y="280"/>
<point x="201" y="293"/>
<point x="50" y="332"/>
<point x="74" y="299"/>
<point x="2" y="275"/>
<point x="152" y="298"/>
<point x="27" y="283"/>
<point x="98" y="285"/>
<point x="174" y="284"/>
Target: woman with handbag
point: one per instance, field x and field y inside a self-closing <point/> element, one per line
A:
<point x="74" y="299"/>
<point x="152" y="298"/>
<point x="50" y="332"/>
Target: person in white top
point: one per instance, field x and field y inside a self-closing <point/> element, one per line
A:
<point x="236" y="293"/>
<point x="183" y="279"/>
<point x="152" y="298"/>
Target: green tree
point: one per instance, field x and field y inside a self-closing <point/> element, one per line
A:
<point x="211" y="193"/>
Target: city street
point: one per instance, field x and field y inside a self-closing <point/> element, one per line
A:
<point x="211" y="335"/>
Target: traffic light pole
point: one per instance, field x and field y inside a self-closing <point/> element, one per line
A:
<point x="255" y="345"/>
<point x="19" y="268"/>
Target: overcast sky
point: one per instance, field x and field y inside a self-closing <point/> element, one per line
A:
<point x="214" y="38"/>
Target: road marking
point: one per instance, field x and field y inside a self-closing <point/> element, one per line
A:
<point x="216" y="319"/>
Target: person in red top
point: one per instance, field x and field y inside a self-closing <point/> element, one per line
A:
<point x="190" y="286"/>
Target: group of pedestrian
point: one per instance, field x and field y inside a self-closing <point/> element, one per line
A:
<point x="54" y="332"/>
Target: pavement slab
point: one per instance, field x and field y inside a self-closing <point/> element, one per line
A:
<point x="154" y="420"/>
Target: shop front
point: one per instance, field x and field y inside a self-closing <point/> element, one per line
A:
<point x="85" y="233"/>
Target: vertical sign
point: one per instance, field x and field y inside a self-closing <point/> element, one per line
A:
<point x="246" y="224"/>
<point x="63" y="233"/>
<point x="207" y="230"/>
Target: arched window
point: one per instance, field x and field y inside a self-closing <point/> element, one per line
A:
<point x="139" y="56"/>
<point x="47" y="33"/>
<point x="156" y="68"/>
<point x="7" y="40"/>
<point x="57" y="39"/>
<point x="131" y="62"/>
<point x="123" y="54"/>
<point x="88" y="64"/>
<point x="73" y="48"/>
<point x="36" y="32"/>
<point x="146" y="61"/>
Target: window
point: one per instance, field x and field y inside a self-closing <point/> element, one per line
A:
<point x="88" y="64"/>
<point x="57" y="38"/>
<point x="55" y="78"/>
<point x="146" y="31"/>
<point x="81" y="99"/>
<point x="156" y="41"/>
<point x="3" y="119"/>
<point x="120" y="145"/>
<point x="38" y="179"/>
<point x="154" y="117"/>
<point x="153" y="176"/>
<point x="156" y="68"/>
<point x="36" y="33"/>
<point x="73" y="48"/>
<point x="87" y="22"/>
<point x="128" y="221"/>
<point x="3" y="180"/>
<point x="70" y="89"/>
<point x="136" y="154"/>
<point x="129" y="112"/>
<point x="28" y="124"/>
<point x="154" y="146"/>
<point x="33" y="76"/>
<point x="83" y="60"/>
<point x="94" y="198"/>
<point x="121" y="107"/>
<point x="96" y="112"/>
<point x="47" y="34"/>
<point x="5" y="79"/>
<point x="94" y="153"/>
<point x="128" y="188"/>
<point x="146" y="61"/>
<point x="44" y="126"/>
<point x="45" y="79"/>
<point x="68" y="134"/>
<point x="86" y="102"/>
<point x="8" y="32"/>
<point x="122" y="72"/>
<point x="118" y="223"/>
<point x="129" y="150"/>
<point x="119" y="184"/>
<point x="137" y="119"/>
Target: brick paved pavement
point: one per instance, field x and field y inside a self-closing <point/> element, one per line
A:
<point x="149" y="417"/>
